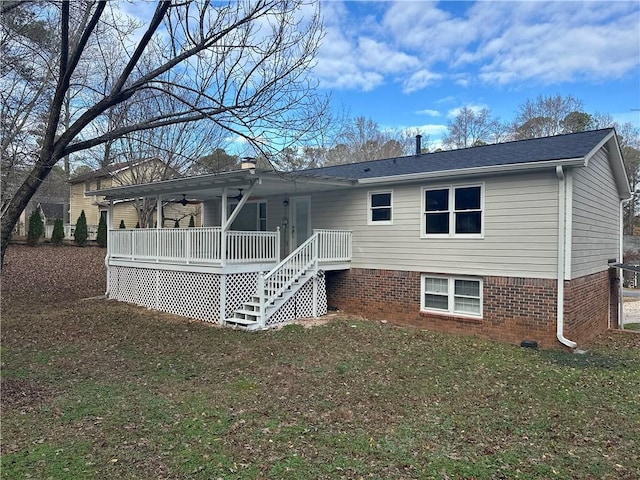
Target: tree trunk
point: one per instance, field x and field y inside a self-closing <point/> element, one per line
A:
<point x="19" y="202"/>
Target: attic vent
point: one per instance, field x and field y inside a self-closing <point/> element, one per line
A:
<point x="367" y="169"/>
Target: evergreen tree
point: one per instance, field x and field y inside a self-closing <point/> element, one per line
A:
<point x="36" y="228"/>
<point x="192" y="222"/>
<point x="58" y="232"/>
<point x="122" y="225"/>
<point x="102" y="232"/>
<point x="81" y="235"/>
<point x="176" y="224"/>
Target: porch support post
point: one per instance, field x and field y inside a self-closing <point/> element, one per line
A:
<point x="109" y="246"/>
<point x="223" y="231"/>
<point x="241" y="203"/>
<point x="158" y="225"/>
<point x="159" y="211"/>
<point x="223" y="299"/>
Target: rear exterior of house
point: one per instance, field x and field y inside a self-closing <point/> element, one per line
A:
<point x="509" y="270"/>
<point x="511" y="242"/>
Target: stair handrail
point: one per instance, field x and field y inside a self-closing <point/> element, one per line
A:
<point x="296" y="264"/>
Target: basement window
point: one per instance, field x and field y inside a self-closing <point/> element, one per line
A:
<point x="452" y="295"/>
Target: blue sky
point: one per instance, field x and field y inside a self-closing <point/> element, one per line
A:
<point x="413" y="64"/>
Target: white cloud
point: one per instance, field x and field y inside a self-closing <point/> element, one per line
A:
<point x="419" y="80"/>
<point x="429" y="112"/>
<point x="454" y="112"/>
<point x="418" y="44"/>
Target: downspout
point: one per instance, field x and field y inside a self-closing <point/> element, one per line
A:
<point x="620" y="270"/>
<point x="561" y="258"/>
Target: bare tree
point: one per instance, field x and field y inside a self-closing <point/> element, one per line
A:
<point x="544" y="116"/>
<point x="240" y="65"/>
<point x="473" y="127"/>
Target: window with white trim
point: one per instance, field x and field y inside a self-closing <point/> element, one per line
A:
<point x="453" y="211"/>
<point x="380" y="207"/>
<point x="452" y="295"/>
<point x="252" y="217"/>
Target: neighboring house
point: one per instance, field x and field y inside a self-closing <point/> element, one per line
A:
<point x="52" y="198"/>
<point x="512" y="241"/>
<point x="125" y="173"/>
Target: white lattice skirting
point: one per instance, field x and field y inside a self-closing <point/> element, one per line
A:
<point x="199" y="295"/>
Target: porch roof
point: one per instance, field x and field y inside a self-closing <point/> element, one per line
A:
<point x="206" y="187"/>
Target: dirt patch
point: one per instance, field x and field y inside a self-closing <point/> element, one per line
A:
<point x="20" y="393"/>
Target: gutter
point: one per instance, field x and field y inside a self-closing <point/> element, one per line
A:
<point x="562" y="242"/>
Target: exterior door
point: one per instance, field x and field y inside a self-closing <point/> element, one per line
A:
<point x="300" y="220"/>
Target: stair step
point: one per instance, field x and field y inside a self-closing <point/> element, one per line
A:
<point x="252" y="313"/>
<point x="241" y="321"/>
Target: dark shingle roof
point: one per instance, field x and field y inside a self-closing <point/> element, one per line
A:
<point x="559" y="147"/>
<point x="100" y="172"/>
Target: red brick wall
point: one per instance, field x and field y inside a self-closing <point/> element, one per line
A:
<point x="586" y="307"/>
<point x="514" y="309"/>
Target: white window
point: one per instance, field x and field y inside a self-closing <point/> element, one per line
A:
<point x="453" y="211"/>
<point x="453" y="295"/>
<point x="252" y="217"/>
<point x="380" y="208"/>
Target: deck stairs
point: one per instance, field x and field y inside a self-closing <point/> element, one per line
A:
<point x="278" y="286"/>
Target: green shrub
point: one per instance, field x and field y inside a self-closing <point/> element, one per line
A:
<point x="101" y="238"/>
<point x="176" y="224"/>
<point x="81" y="235"/>
<point x="138" y="224"/>
<point x="192" y="222"/>
<point x="58" y="232"/>
<point x="36" y="228"/>
<point x="122" y="225"/>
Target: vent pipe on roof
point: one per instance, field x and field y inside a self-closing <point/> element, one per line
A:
<point x="418" y="145"/>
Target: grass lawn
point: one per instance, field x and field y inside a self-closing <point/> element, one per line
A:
<point x="94" y="389"/>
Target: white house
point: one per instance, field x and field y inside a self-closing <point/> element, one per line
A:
<point x="511" y="241"/>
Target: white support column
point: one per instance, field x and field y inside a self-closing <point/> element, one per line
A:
<point x="223" y="299"/>
<point x="223" y="232"/>
<point x="158" y="225"/>
<point x="109" y="246"/>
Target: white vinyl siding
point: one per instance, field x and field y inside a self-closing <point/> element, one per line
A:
<point x="520" y="226"/>
<point x="452" y="295"/>
<point x="596" y="217"/>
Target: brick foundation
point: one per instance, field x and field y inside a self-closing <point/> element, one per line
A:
<point x="587" y="305"/>
<point x="514" y="309"/>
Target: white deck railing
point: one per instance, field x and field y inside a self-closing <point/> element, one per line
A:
<point x="202" y="245"/>
<point x="323" y="246"/>
<point x="334" y="245"/>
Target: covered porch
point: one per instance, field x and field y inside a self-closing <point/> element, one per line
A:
<point x="246" y="265"/>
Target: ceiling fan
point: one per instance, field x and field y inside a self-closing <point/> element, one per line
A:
<point x="184" y="202"/>
<point x="237" y="197"/>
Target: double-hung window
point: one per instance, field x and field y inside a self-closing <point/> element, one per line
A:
<point x="380" y="208"/>
<point x="453" y="211"/>
<point x="453" y="295"/>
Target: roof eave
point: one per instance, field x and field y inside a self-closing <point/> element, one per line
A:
<point x="474" y="171"/>
<point x="234" y="179"/>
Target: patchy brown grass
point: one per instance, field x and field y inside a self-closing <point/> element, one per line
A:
<point x="100" y="389"/>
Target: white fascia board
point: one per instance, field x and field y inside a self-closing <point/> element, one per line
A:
<point x="171" y="185"/>
<point x="516" y="167"/>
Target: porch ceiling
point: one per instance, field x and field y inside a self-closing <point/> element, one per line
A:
<point x="205" y="187"/>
